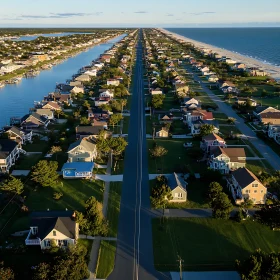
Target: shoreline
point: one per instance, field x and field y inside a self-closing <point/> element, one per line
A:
<point x="272" y="70"/>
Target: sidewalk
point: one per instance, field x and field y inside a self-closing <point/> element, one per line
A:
<point x="97" y="240"/>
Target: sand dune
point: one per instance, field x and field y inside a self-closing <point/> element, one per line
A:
<point x="274" y="71"/>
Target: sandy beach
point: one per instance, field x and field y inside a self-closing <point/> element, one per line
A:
<point x="274" y="71"/>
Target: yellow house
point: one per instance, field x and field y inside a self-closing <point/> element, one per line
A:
<point x="243" y="184"/>
<point x="163" y="132"/>
<point x="47" y="228"/>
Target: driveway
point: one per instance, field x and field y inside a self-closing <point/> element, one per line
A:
<point x="264" y="149"/>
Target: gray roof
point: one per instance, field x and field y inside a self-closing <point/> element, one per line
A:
<point x="85" y="143"/>
<point x="65" y="225"/>
<point x="15" y="130"/>
<point x="174" y="181"/>
<point x="244" y="177"/>
<point x="6" y="147"/>
<point x="88" y="130"/>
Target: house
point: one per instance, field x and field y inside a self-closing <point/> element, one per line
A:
<point x="226" y="159"/>
<point x="50" y="227"/>
<point x="83" y="78"/>
<point x="76" y="83"/>
<point x="83" y="150"/>
<point x="212" y="78"/>
<point x="262" y="110"/>
<point x="197" y="114"/>
<point x="52" y="105"/>
<point x="191" y="103"/>
<point x="18" y="135"/>
<point x="238" y="66"/>
<point x="88" y="131"/>
<point x="98" y="114"/>
<point x="9" y="152"/>
<point x="243" y="184"/>
<point x="34" y="121"/>
<point x="163" y="132"/>
<point x="101" y="100"/>
<point x="113" y="82"/>
<point x="270" y="118"/>
<point x="182" y="89"/>
<point x="77" y="89"/>
<point x="47" y="113"/>
<point x="196" y="125"/>
<point x="244" y="101"/>
<point x="254" y="71"/>
<point x="204" y="70"/>
<point x="212" y="140"/>
<point x="73" y="170"/>
<point x="274" y="132"/>
<point x="227" y="86"/>
<point x="156" y="91"/>
<point x="107" y="94"/>
<point x="166" y="119"/>
<point x="178" y="188"/>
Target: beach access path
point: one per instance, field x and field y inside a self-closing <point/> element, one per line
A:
<point x="263" y="148"/>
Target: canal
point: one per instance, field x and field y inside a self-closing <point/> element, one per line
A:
<point x="17" y="99"/>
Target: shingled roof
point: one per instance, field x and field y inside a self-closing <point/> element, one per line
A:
<point x="244" y="177"/>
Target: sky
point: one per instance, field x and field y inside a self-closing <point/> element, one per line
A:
<point x="141" y="13"/>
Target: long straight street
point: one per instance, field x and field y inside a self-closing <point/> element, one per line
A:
<point x="134" y="256"/>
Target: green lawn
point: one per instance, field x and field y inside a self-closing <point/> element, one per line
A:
<point x="125" y="125"/>
<point x="25" y="162"/>
<point x="113" y="210"/>
<point x="37" y="146"/>
<point x="228" y="129"/>
<point x="177" y="158"/>
<point x="208" y="244"/>
<point x="268" y="101"/>
<point x="257" y="166"/>
<point x="169" y="102"/>
<point x="75" y="192"/>
<point x="106" y="259"/>
<point x="221" y="118"/>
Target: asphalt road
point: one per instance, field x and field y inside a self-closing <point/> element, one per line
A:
<point x="134" y="256"/>
<point x="263" y="148"/>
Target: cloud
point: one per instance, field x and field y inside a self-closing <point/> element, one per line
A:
<point x="202" y="13"/>
<point x="141" y="12"/>
<point x="60" y="15"/>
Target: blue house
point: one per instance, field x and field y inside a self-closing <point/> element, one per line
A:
<point x="72" y="170"/>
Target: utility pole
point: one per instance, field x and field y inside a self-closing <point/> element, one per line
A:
<point x="180" y="267"/>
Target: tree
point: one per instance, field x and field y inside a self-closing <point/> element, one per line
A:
<point x="45" y="173"/>
<point x="157" y="100"/>
<point x="77" y="114"/>
<point x="117" y="145"/>
<point x="231" y="120"/>
<point x="206" y="129"/>
<point x="114" y="119"/>
<point x="12" y="185"/>
<point x="84" y="121"/>
<point x="214" y="191"/>
<point x="158" y="152"/>
<point x="260" y="266"/>
<point x="161" y="193"/>
<point x="6" y="273"/>
<point x="42" y="272"/>
<point x="55" y="150"/>
<point x="86" y="105"/>
<point x="270" y="215"/>
<point x="221" y="206"/>
<point x="93" y="222"/>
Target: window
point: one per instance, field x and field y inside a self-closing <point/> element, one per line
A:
<point x="255" y="191"/>
<point x="180" y="195"/>
<point x="54" y="233"/>
<point x="255" y="185"/>
<point x="261" y="191"/>
<point x="247" y="191"/>
<point x="65" y="243"/>
<point x="47" y="243"/>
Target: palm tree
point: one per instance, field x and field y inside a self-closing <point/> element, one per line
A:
<point x="158" y="152"/>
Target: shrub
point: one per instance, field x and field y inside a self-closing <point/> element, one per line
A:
<point x="57" y="195"/>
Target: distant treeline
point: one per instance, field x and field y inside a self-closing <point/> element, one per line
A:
<point x="23" y="31"/>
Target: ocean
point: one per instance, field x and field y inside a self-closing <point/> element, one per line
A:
<point x="259" y="43"/>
